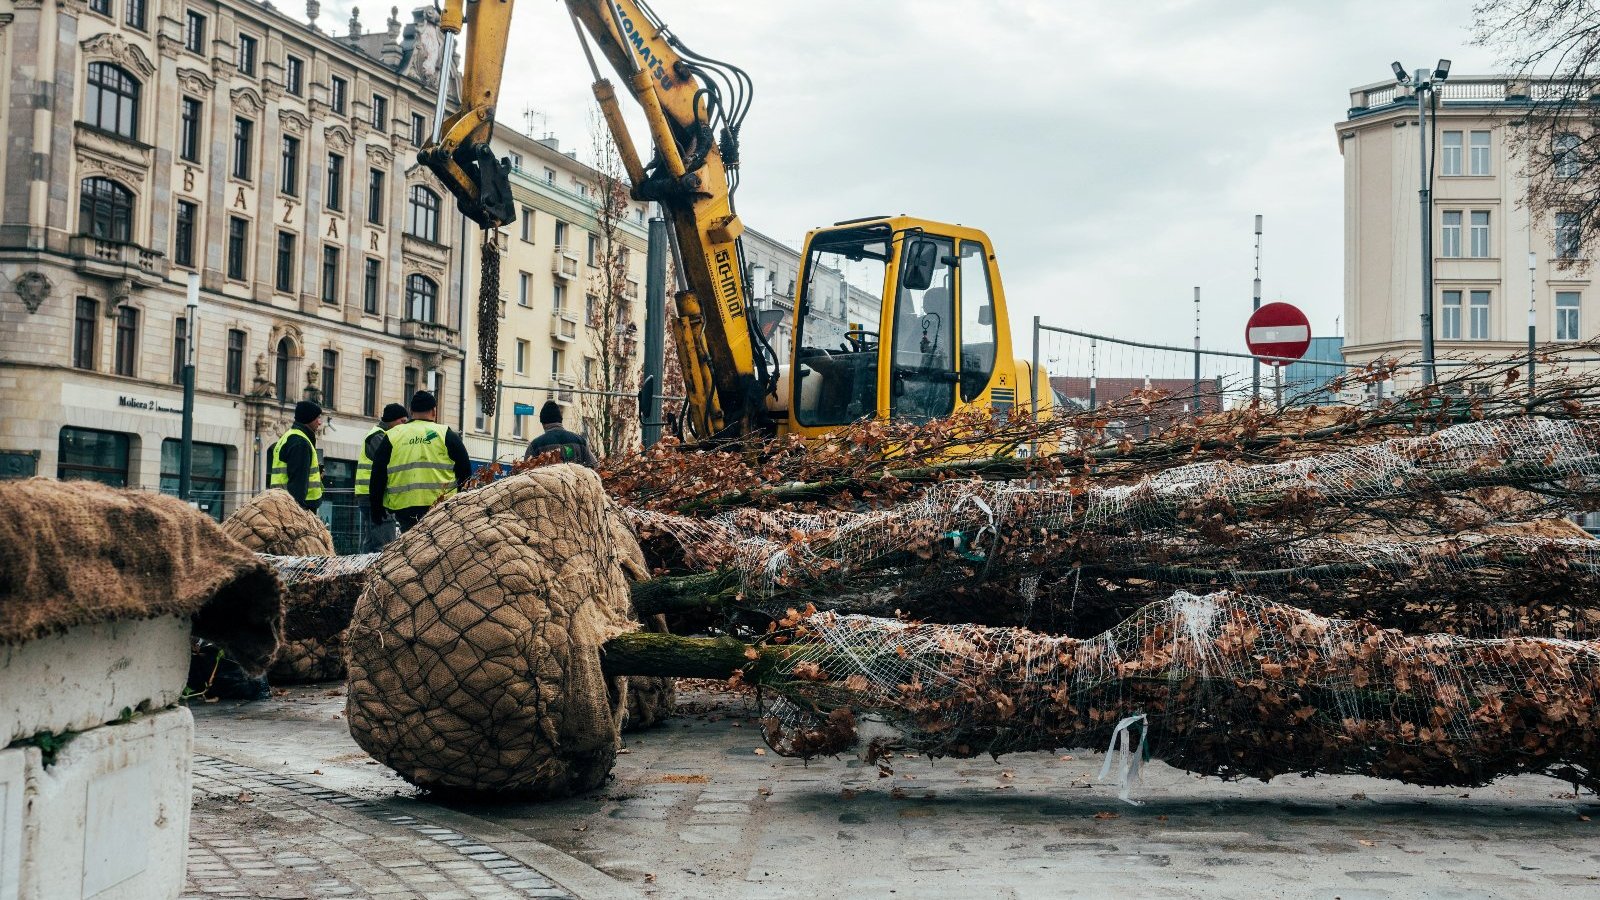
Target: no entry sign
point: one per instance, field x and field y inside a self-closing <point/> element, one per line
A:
<point x="1278" y="329"/>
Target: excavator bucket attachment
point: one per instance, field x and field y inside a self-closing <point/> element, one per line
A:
<point x="493" y="206"/>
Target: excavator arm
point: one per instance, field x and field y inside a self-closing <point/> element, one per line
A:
<point x="693" y="107"/>
<point x="458" y="150"/>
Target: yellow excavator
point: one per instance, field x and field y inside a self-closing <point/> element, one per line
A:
<point x="895" y="317"/>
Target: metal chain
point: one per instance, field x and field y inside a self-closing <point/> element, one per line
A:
<point x="489" y="321"/>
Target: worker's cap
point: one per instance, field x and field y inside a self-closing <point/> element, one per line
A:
<point x="549" y="413"/>
<point x="306" y="412"/>
<point x="394" y="412"/>
<point x="422" y="401"/>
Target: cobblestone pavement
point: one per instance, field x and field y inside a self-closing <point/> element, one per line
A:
<point x="698" y="809"/>
<point x="254" y="834"/>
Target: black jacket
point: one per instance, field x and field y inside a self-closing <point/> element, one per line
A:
<point x="574" y="448"/>
<point x="380" y="468"/>
<point x="296" y="457"/>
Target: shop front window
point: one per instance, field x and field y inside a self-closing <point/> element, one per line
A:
<point x="208" y="469"/>
<point x="93" y="455"/>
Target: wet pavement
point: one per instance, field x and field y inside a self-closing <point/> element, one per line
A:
<point x="700" y="809"/>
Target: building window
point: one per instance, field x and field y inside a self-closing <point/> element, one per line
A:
<point x="330" y="275"/>
<point x="180" y="349"/>
<point x="103" y="7"/>
<point x="375" y="196"/>
<point x="338" y="91"/>
<point x="1478" y="153"/>
<point x="1478" y="325"/>
<point x="93" y="455"/>
<point x="369" y="388"/>
<point x="1450" y="155"/>
<point x="208" y="469"/>
<point x="189" y="124"/>
<point x="424" y="214"/>
<point x="522" y="357"/>
<point x="591" y="310"/>
<point x="527" y="224"/>
<point x="127" y="347"/>
<point x="516" y="160"/>
<point x="238" y="247"/>
<point x="281" y="371"/>
<point x="335" y="192"/>
<point x="549" y="176"/>
<point x="419" y="130"/>
<point x="1450" y="320"/>
<point x="330" y="379"/>
<point x="1480" y="234"/>
<point x="409" y="383"/>
<point x="371" y="285"/>
<point x="1566" y="163"/>
<point x="194" y="32"/>
<point x="83" y="333"/>
<point x="516" y="424"/>
<point x="235" y="373"/>
<point x="247" y="55"/>
<point x="1568" y="235"/>
<point x="105" y="210"/>
<point x="289" y="176"/>
<point x="294" y="75"/>
<point x="380" y="114"/>
<point x="558" y="298"/>
<point x="244" y="132"/>
<point x="594" y="250"/>
<point x="286" y="257"/>
<point x="558" y="364"/>
<point x="134" y="14"/>
<point x="479" y="420"/>
<point x="112" y="101"/>
<point x="183" y="233"/>
<point x="1450" y="234"/>
<point x="422" y="298"/>
<point x="524" y="289"/>
<point x="1567" y="310"/>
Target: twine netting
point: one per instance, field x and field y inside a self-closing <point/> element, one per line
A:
<point x="474" y="652"/>
<point x="319" y="598"/>
<point x="651" y="699"/>
<point x="271" y="522"/>
<point x="1220" y="685"/>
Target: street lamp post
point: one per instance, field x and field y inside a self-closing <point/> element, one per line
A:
<point x="190" y="337"/>
<point x="1425" y="83"/>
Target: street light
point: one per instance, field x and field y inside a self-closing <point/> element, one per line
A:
<point x="191" y="334"/>
<point x="1425" y="82"/>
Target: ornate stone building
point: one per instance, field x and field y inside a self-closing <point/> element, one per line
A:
<point x="146" y="140"/>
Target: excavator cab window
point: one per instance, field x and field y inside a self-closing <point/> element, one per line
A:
<point x="835" y="379"/>
<point x="978" y="338"/>
<point x="922" y="377"/>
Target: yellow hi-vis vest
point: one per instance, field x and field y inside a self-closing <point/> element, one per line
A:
<point x="364" y="464"/>
<point x="280" y="472"/>
<point x="420" y="469"/>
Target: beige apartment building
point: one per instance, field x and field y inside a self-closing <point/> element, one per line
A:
<point x="1482" y="236"/>
<point x="147" y="141"/>
<point x="551" y="343"/>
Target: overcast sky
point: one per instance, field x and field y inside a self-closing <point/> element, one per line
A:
<point x="1116" y="153"/>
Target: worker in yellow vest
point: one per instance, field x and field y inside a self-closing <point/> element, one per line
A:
<point x="293" y="464"/>
<point x="381" y="533"/>
<point x="415" y="463"/>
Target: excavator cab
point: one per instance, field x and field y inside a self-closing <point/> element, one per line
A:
<point x="899" y="318"/>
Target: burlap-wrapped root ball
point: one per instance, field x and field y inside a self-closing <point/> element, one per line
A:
<point x="474" y="652"/>
<point x="319" y="598"/>
<point x="271" y="522"/>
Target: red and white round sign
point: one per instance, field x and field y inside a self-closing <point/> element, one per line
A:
<point x="1278" y="329"/>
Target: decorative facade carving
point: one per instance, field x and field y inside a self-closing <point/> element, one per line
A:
<point x="90" y="165"/>
<point x="194" y="81"/>
<point x="169" y="47"/>
<point x="34" y="288"/>
<point x="247" y="100"/>
<point x="380" y="154"/>
<point x="433" y="270"/>
<point x="422" y="47"/>
<point x="293" y="122"/>
<point x="338" y="138"/>
<point x="112" y="47"/>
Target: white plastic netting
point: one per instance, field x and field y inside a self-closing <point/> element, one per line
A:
<point x="1219" y="684"/>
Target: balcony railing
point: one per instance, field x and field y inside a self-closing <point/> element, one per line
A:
<point x="117" y="259"/>
<point x="564" y="264"/>
<point x="563" y="385"/>
<point x="429" y="336"/>
<point x="563" y="324"/>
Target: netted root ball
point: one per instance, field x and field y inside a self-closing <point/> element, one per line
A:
<point x="271" y="522"/>
<point x="474" y="653"/>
